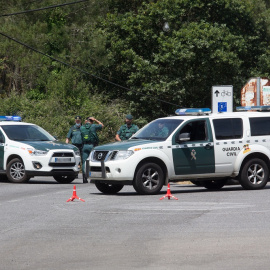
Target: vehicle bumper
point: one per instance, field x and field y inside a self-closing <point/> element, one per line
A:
<point x="63" y="172"/>
<point x="120" y="171"/>
<point x="50" y="166"/>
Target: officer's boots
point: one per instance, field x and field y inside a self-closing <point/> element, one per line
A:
<point x="84" y="178"/>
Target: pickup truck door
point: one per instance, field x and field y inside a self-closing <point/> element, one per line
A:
<point x="196" y="155"/>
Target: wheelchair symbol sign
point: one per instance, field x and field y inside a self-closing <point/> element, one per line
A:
<point x="222" y="106"/>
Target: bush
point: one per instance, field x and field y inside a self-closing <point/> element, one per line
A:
<point x="57" y="117"/>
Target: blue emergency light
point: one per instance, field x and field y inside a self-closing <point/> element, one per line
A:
<point x="10" y="118"/>
<point x="253" y="108"/>
<point x="190" y="111"/>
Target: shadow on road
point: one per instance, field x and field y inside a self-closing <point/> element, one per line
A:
<point x="184" y="189"/>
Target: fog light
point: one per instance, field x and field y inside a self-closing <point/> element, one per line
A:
<point x="37" y="165"/>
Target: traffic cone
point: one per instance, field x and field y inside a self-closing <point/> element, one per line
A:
<point x="74" y="196"/>
<point x="169" y="195"/>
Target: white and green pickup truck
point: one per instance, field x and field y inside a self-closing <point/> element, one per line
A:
<point x="195" y="145"/>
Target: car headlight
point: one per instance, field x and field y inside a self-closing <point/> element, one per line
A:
<point x="123" y="155"/>
<point x="77" y="153"/>
<point x="35" y="152"/>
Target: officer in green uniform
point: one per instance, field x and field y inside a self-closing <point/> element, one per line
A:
<point x="126" y="130"/>
<point x="163" y="131"/>
<point x="90" y="140"/>
<point x="74" y="134"/>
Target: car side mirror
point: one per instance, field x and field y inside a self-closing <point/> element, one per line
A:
<point x="183" y="137"/>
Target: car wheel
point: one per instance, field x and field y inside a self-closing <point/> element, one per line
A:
<point x="64" y="179"/>
<point x="108" y="188"/>
<point x="254" y="174"/>
<point x="149" y="179"/>
<point x="16" y="172"/>
<point x="214" y="184"/>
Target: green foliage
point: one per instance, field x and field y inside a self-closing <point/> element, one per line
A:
<point x="215" y="42"/>
<point x="54" y="116"/>
<point x="209" y="43"/>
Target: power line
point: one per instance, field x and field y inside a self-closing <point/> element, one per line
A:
<point x="83" y="71"/>
<point x="39" y="9"/>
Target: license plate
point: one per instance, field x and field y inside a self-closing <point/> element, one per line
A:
<point x="96" y="174"/>
<point x="62" y="160"/>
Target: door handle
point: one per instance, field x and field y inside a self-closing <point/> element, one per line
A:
<point x="208" y="146"/>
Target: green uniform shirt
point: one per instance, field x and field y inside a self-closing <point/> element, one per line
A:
<point x="163" y="132"/>
<point x="89" y="133"/>
<point x="90" y="140"/>
<point x="75" y="135"/>
<point x="126" y="132"/>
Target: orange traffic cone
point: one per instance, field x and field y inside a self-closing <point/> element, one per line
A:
<point x="169" y="195"/>
<point x="74" y="196"/>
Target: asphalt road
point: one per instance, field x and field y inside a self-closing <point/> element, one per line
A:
<point x="228" y="229"/>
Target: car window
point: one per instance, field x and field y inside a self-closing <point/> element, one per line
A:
<point x="27" y="133"/>
<point x="197" y="130"/>
<point x="159" y="129"/>
<point x="228" y="128"/>
<point x="259" y="126"/>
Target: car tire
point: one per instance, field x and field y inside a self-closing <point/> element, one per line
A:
<point x="108" y="188"/>
<point x="254" y="174"/>
<point x="149" y="179"/>
<point x="64" y="179"/>
<point x="214" y="184"/>
<point x="16" y="172"/>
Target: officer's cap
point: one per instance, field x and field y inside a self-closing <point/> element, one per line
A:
<point x="78" y="117"/>
<point x="129" y="117"/>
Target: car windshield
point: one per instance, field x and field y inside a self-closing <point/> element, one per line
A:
<point x="27" y="133"/>
<point x="159" y="129"/>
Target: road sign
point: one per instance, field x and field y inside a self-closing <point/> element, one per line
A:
<point x="222" y="98"/>
<point x="222" y="106"/>
<point x="256" y="92"/>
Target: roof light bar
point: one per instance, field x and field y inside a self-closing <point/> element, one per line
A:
<point x="10" y="118"/>
<point x="253" y="108"/>
<point x="190" y="111"/>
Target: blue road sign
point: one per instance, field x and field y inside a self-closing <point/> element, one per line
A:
<point x="222" y="106"/>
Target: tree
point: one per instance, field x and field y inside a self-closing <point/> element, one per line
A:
<point x="118" y="52"/>
<point x="209" y="43"/>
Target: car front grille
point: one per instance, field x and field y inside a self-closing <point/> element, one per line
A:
<point x="62" y="164"/>
<point x="113" y="155"/>
<point x="100" y="155"/>
<point x="62" y="154"/>
<point x="62" y="159"/>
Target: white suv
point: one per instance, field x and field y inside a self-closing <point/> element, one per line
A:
<point x="27" y="150"/>
<point x="204" y="147"/>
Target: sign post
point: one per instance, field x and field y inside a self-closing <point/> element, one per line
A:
<point x="222" y="98"/>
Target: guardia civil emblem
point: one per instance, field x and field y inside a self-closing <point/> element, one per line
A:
<point x="193" y="154"/>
